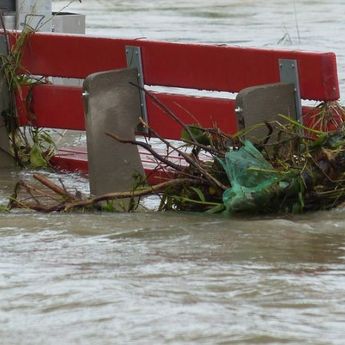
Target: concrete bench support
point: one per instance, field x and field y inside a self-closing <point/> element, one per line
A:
<point x="112" y="105"/>
<point x="259" y="104"/>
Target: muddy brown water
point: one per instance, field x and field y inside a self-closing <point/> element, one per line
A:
<point x="149" y="278"/>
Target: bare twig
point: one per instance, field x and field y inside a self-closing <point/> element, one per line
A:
<point x="148" y="148"/>
<point x="54" y="187"/>
<point x="191" y="161"/>
<point x="165" y="109"/>
<point x="124" y="195"/>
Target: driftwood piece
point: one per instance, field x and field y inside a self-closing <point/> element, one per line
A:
<point x="57" y="199"/>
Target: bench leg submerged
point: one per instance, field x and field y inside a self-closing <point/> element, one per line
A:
<point x="6" y="159"/>
<point x="112" y="105"/>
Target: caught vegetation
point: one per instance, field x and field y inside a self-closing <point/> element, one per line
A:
<point x="293" y="169"/>
<point x="31" y="146"/>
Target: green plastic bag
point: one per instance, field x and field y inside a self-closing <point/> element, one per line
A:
<point x="255" y="184"/>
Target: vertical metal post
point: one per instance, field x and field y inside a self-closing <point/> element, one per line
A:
<point x="6" y="159"/>
<point x="133" y="55"/>
<point x="289" y="74"/>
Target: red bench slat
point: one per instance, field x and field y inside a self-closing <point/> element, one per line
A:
<point x="233" y="69"/>
<point x="55" y="107"/>
<point x="205" y="111"/>
<point x="209" y="67"/>
<point x="61" y="107"/>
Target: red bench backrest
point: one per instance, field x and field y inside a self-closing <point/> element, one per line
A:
<point x="195" y="66"/>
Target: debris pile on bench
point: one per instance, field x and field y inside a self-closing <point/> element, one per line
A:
<point x="294" y="169"/>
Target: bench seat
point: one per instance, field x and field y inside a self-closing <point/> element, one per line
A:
<point x="75" y="159"/>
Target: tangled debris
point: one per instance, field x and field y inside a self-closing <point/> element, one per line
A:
<point x="293" y="169"/>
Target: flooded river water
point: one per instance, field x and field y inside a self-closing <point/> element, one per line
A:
<point x="148" y="278"/>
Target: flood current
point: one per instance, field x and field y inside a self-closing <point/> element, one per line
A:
<point x="176" y="278"/>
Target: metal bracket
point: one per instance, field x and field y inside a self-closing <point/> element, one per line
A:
<point x="288" y="70"/>
<point x="133" y="56"/>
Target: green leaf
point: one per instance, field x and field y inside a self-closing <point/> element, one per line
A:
<point x="46" y="137"/>
<point x="216" y="209"/>
<point x="108" y="206"/>
<point x="195" y="133"/>
<point x="3" y="208"/>
<point x="199" y="193"/>
<point x="37" y="159"/>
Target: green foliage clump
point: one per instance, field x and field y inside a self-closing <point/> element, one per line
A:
<point x="31" y="146"/>
<point x="296" y="168"/>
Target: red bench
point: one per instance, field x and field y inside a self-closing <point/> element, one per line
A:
<point x="192" y="66"/>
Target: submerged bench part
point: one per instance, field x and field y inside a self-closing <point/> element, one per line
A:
<point x="6" y="160"/>
<point x="112" y="105"/>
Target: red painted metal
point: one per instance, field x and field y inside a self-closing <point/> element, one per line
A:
<point x="62" y="107"/>
<point x="70" y="56"/>
<point x="209" y="67"/>
<point x="53" y="106"/>
<point x="71" y="159"/>
<point x="204" y="111"/>
<point x="232" y="69"/>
